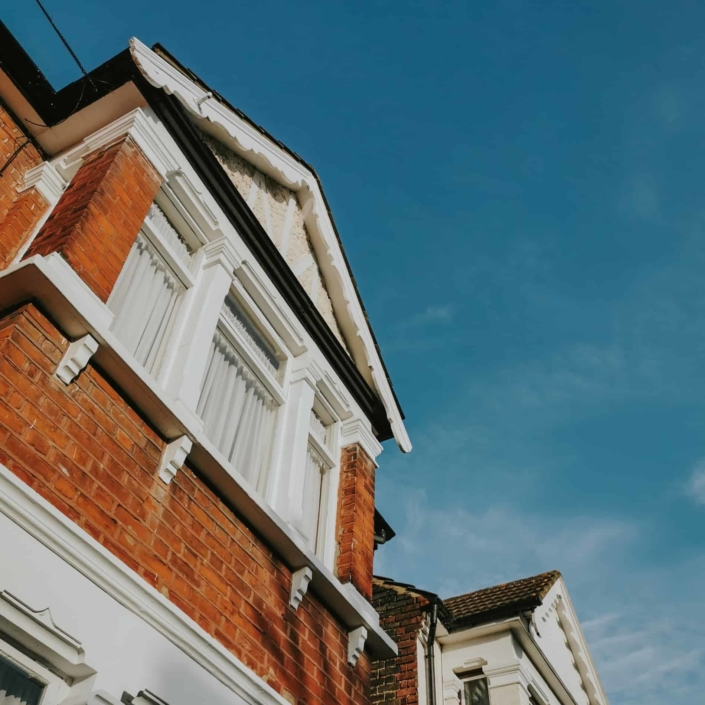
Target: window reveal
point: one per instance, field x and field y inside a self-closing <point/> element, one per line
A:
<point x="17" y="687"/>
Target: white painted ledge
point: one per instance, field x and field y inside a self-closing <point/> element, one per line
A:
<point x="60" y="292"/>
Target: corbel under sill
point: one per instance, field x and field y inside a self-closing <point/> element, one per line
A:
<point x="65" y="298"/>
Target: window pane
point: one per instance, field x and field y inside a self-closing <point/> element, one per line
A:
<point x="476" y="692"/>
<point x="17" y="687"/>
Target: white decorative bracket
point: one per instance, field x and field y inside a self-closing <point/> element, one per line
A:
<point x="356" y="644"/>
<point x="76" y="358"/>
<point x="299" y="586"/>
<point x="173" y="458"/>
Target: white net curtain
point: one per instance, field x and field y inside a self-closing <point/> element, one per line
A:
<point x="17" y="687"/>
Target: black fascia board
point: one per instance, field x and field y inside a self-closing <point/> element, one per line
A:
<point x="55" y="106"/>
<point x="173" y="116"/>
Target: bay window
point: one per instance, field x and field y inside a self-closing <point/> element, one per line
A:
<point x="149" y="290"/>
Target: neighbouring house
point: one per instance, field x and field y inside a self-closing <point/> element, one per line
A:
<point x="519" y="643"/>
<point x="192" y="403"/>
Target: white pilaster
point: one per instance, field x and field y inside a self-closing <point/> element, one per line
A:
<point x="184" y="376"/>
<point x="287" y="487"/>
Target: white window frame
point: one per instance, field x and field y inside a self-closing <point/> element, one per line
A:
<point x="55" y="689"/>
<point x="468" y="679"/>
<point x="28" y="636"/>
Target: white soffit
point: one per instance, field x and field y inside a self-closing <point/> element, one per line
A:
<point x="271" y="159"/>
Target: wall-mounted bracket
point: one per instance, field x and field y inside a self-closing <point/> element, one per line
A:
<point x="173" y="458"/>
<point x="76" y="358"/>
<point x="356" y="644"/>
<point x="299" y="586"/>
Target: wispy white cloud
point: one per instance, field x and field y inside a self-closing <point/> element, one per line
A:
<point x="695" y="486"/>
<point x="431" y="315"/>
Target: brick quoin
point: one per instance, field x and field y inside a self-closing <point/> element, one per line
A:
<point x="402" y="612"/>
<point x="19" y="212"/>
<point x="97" y="219"/>
<point x="355" y="525"/>
<point x="86" y="450"/>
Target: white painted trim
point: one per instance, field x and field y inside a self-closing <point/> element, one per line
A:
<point x="356" y="644"/>
<point x="59" y="534"/>
<point x="47" y="180"/>
<point x="173" y="458"/>
<point x="274" y="161"/>
<point x="76" y="358"/>
<point x="356" y="431"/>
<point x="299" y="586"/>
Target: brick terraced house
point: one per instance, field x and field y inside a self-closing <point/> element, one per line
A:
<point x="191" y="403"/>
<point x="519" y="643"/>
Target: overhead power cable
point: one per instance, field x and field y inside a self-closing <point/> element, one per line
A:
<point x="62" y="38"/>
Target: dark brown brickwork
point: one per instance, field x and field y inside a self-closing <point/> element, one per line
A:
<point x="402" y="612"/>
<point x="86" y="450"/>
<point x="355" y="525"/>
<point x="19" y="213"/>
<point x="99" y="215"/>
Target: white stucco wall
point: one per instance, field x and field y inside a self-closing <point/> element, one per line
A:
<point x="127" y="653"/>
<point x="279" y="212"/>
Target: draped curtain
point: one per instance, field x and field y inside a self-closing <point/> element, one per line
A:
<point x="16" y="687"/>
<point x="144" y="301"/>
<point x="238" y="412"/>
<point x="313" y="485"/>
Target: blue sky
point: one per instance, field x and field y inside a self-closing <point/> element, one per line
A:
<point x="519" y="186"/>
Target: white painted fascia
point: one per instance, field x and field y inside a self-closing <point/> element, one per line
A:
<point x="276" y="162"/>
<point x="68" y="301"/>
<point x="559" y="600"/>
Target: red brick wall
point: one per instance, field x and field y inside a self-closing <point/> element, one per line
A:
<point x="18" y="213"/>
<point x="396" y="680"/>
<point x="85" y="450"/>
<point x="355" y="525"/>
<point x="97" y="219"/>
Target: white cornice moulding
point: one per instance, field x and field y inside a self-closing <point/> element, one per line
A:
<point x="355" y="431"/>
<point x="173" y="458"/>
<point x="37" y="631"/>
<point x="76" y="358"/>
<point x="356" y="644"/>
<point x="45" y="523"/>
<point x="331" y="392"/>
<point x="47" y="180"/>
<point x="299" y="586"/>
<point x="273" y="160"/>
<point x="135" y="124"/>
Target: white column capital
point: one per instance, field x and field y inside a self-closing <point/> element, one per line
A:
<point x="357" y="431"/>
<point x="47" y="180"/>
<point x="221" y="251"/>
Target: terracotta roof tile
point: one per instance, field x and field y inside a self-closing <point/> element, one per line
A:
<point x="519" y="594"/>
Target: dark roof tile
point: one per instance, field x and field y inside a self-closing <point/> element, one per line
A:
<point x="519" y="594"/>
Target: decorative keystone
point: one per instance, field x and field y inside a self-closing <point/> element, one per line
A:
<point x="299" y="586"/>
<point x="356" y="644"/>
<point x="173" y="458"/>
<point x="76" y="358"/>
